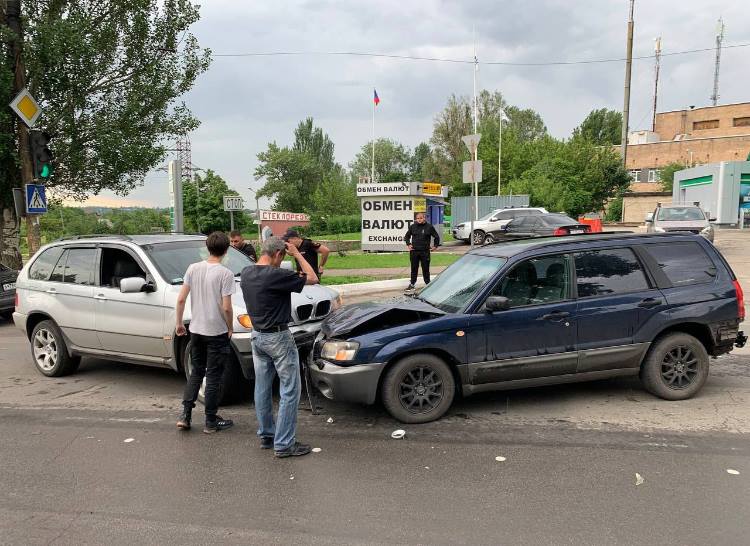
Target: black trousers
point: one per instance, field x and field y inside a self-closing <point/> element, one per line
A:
<point x="417" y="258"/>
<point x="208" y="357"/>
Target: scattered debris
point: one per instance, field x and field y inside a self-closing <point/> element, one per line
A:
<point x="398" y="434"/>
<point x="291" y="476"/>
<point x="89" y="437"/>
<point x="500" y="459"/>
<point x="128" y="440"/>
<point x="638" y="479"/>
<point x="330" y="420"/>
<point x="316" y="450"/>
<point x="426" y="467"/>
<point x="733" y="472"/>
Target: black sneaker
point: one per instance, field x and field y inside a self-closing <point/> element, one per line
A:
<point x="183" y="423"/>
<point x="266" y="442"/>
<point x="410" y="287"/>
<point x="217" y="425"/>
<point x="297" y="450"/>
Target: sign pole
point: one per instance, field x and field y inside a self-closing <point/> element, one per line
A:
<point x="231" y="220"/>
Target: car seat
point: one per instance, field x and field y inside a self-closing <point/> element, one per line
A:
<point x="519" y="285"/>
<point x="553" y="288"/>
<point x="124" y="269"/>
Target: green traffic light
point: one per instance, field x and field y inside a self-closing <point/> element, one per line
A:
<point x="45" y="171"/>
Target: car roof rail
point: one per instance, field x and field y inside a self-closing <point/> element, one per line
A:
<point x="95" y="236"/>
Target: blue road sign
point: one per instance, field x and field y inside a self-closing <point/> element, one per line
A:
<point x="36" y="199"/>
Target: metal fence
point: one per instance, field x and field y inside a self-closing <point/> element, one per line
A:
<point x="461" y="206"/>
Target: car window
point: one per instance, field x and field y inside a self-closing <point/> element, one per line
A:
<point x="458" y="284"/>
<point x="117" y="264"/>
<point x="173" y="258"/>
<point x="557" y="220"/>
<point x="683" y="263"/>
<point x="536" y="282"/>
<point x="676" y="214"/>
<point x="525" y="222"/>
<point x="506" y="215"/>
<point x="611" y="271"/>
<point x="42" y="267"/>
<point x="76" y="266"/>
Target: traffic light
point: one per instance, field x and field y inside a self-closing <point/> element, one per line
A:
<point x="41" y="156"/>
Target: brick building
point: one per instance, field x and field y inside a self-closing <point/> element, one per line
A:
<point x="690" y="137"/>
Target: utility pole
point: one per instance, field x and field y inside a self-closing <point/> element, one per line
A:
<point x="257" y="214"/>
<point x="628" y="69"/>
<point x="719" y="40"/>
<point x="657" y="58"/>
<point x="13" y="19"/>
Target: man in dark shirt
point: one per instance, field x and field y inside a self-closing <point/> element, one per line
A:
<point x="309" y="251"/>
<point x="267" y="291"/>
<point x="417" y="240"/>
<point x="239" y="242"/>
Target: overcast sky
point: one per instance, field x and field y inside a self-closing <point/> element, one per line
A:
<point x="245" y="102"/>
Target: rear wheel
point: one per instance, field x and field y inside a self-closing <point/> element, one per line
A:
<point x="233" y="386"/>
<point x="418" y="389"/>
<point x="676" y="367"/>
<point x="489" y="239"/>
<point x="478" y="237"/>
<point x="49" y="351"/>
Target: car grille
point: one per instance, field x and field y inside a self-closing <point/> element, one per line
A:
<point x="304" y="312"/>
<point x="323" y="308"/>
<point x="696" y="231"/>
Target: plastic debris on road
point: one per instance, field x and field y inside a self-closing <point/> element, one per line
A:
<point x="638" y="479"/>
<point x="128" y="440"/>
<point x="398" y="434"/>
<point x="291" y="476"/>
<point x="499" y="459"/>
<point x="733" y="472"/>
<point x="316" y="450"/>
<point x="330" y="420"/>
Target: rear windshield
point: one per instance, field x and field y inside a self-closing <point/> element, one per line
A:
<point x="675" y="214"/>
<point x="558" y="220"/>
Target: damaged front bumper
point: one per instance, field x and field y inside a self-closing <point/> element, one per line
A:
<point x="357" y="383"/>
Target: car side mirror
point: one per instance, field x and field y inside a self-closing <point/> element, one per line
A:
<point x="650" y="217"/>
<point x="133" y="285"/>
<point x="497" y="303"/>
<point x="493" y="219"/>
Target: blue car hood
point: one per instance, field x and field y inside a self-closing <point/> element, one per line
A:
<point x="360" y="318"/>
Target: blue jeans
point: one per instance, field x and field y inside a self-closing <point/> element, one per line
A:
<point x="276" y="353"/>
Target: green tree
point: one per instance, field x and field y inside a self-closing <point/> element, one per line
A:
<point x="336" y="196"/>
<point x="601" y="127"/>
<point x="393" y="161"/>
<point x="666" y="175"/>
<point x="108" y="75"/>
<point x="203" y="205"/>
<point x="294" y="174"/>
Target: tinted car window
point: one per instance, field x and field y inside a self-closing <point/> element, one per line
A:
<point x="536" y="281"/>
<point x="557" y="220"/>
<point x="173" y="259"/>
<point x="611" y="271"/>
<point x="79" y="268"/>
<point x="42" y="267"/>
<point x="506" y="215"/>
<point x="525" y="222"/>
<point x="683" y="263"/>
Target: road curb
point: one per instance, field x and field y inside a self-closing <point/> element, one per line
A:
<point x="373" y="287"/>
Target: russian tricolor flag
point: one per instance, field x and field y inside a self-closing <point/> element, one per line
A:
<point x="376" y="99"/>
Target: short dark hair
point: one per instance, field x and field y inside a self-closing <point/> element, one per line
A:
<point x="217" y="243"/>
<point x="235" y="233"/>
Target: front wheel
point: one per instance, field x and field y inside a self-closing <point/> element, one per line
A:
<point x="418" y="389"/>
<point x="478" y="237"/>
<point x="49" y="351"/>
<point x="676" y="367"/>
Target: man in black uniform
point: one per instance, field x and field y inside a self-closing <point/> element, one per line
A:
<point x="309" y="250"/>
<point x="417" y="240"/>
<point x="238" y="241"/>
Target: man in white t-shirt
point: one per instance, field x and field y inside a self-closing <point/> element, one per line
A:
<point x="210" y="286"/>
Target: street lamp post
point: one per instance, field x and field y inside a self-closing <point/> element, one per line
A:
<point x="257" y="214"/>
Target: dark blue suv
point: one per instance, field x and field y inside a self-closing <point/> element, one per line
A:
<point x="539" y="312"/>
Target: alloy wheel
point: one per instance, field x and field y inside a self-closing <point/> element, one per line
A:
<point x="45" y="349"/>
<point x="420" y="390"/>
<point x="679" y="368"/>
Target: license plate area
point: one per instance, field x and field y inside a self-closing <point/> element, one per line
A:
<point x="8" y="286"/>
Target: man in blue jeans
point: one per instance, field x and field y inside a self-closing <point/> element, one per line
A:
<point x="267" y="290"/>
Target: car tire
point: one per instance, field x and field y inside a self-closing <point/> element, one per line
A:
<point x="233" y="386"/>
<point x="489" y="239"/>
<point x="676" y="367"/>
<point x="422" y="379"/>
<point x="478" y="236"/>
<point x="49" y="351"/>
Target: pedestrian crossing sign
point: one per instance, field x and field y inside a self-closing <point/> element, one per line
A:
<point x="36" y="199"/>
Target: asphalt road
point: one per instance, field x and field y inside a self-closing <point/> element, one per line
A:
<point x="572" y="453"/>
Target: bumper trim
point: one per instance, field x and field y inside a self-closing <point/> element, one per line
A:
<point x="357" y="383"/>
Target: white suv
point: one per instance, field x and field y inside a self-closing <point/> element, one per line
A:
<point x="114" y="297"/>
<point x="494" y="221"/>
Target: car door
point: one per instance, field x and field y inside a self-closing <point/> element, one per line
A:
<point x="522" y="227"/>
<point x="70" y="295"/>
<point x="536" y="336"/>
<point x="128" y="323"/>
<point x="615" y="296"/>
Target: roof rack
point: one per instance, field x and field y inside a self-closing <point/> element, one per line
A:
<point x="95" y="236"/>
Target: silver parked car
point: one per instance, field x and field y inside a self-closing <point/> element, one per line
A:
<point x="690" y="218"/>
<point x="114" y="297"/>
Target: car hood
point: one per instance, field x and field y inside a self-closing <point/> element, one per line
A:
<point x="362" y="318"/>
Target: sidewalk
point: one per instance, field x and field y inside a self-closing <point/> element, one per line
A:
<point x="382" y="272"/>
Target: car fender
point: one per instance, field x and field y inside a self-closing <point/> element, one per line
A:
<point x="442" y="342"/>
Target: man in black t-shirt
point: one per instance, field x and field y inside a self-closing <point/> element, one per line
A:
<point x="309" y="250"/>
<point x="267" y="291"/>
<point x="238" y="241"/>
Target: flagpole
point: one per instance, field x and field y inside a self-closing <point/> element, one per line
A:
<point x="372" y="170"/>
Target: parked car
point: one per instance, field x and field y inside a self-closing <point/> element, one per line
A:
<point x="537" y="226"/>
<point x="539" y="312"/>
<point x="494" y="221"/>
<point x="114" y="297"/>
<point x="7" y="291"/>
<point x="690" y="218"/>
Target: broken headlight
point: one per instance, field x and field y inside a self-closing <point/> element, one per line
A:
<point x="339" y="350"/>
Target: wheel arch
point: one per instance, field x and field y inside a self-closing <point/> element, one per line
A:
<point x="34" y="319"/>
<point x="702" y="332"/>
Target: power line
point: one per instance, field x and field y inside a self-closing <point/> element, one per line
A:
<point x="463" y="61"/>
